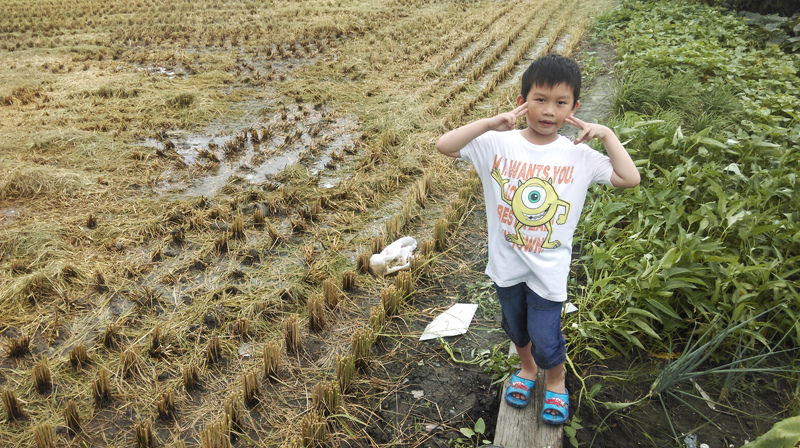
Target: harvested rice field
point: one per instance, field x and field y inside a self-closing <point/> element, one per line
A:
<point x="190" y="195"/>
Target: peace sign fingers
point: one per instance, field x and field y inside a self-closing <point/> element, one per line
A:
<point x="520" y="110"/>
<point x="589" y="131"/>
<point x="507" y="120"/>
<point x="574" y="121"/>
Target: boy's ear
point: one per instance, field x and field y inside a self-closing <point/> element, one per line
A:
<point x="520" y="100"/>
<point x="577" y="104"/>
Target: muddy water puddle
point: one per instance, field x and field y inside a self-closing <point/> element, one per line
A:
<point x="207" y="161"/>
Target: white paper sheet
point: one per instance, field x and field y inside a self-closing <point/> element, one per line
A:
<point x="452" y="322"/>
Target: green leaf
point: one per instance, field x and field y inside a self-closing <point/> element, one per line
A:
<point x="480" y="426"/>
<point x="595" y="353"/>
<point x="646" y="328"/>
<point x="467" y="432"/>
<point x="618" y="406"/>
<point x="632" y="310"/>
<point x="663" y="308"/>
<point x="669" y="258"/>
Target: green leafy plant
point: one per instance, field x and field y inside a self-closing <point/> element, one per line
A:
<point x="483" y="294"/>
<point x="571" y="430"/>
<point x="474" y="436"/>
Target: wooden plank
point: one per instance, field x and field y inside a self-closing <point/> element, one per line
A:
<point x="524" y="428"/>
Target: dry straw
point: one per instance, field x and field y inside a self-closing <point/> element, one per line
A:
<point x="17" y="347"/>
<point x="130" y="363"/>
<point x="78" y="356"/>
<point x="361" y="343"/>
<point x="440" y="228"/>
<point x="271" y="355"/>
<point x="101" y="389"/>
<point x="348" y="280"/>
<point x="215" y="435"/>
<point x="234" y="414"/>
<point x="258" y="216"/>
<point x="291" y="334"/>
<point x="273" y="233"/>
<point x="345" y="372"/>
<point x="13" y="406"/>
<point x="190" y="376"/>
<point x="316" y="312"/>
<point x="362" y="262"/>
<point x="377" y="244"/>
<point x="165" y="406"/>
<point x="377" y="318"/>
<point x="44" y="436"/>
<point x="221" y="243"/>
<point x="390" y="299"/>
<point x="237" y="228"/>
<point x="241" y="329"/>
<point x="144" y="435"/>
<point x="213" y="350"/>
<point x="331" y="293"/>
<point x="42" y="380"/>
<point x="326" y="397"/>
<point x="72" y="418"/>
<point x="313" y="429"/>
<point x="293" y="442"/>
<point x="404" y="284"/>
<point x="251" y="388"/>
<point x="111" y="336"/>
<point x="157" y="337"/>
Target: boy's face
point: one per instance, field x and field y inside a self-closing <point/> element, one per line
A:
<point x="548" y="108"/>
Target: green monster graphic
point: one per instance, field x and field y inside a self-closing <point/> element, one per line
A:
<point x="534" y="203"/>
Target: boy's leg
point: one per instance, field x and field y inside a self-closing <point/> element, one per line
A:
<point x="554" y="379"/>
<point x="544" y="329"/>
<point x="515" y="323"/>
<point x="529" y="369"/>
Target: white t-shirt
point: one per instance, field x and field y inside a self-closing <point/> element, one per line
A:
<point x="531" y="219"/>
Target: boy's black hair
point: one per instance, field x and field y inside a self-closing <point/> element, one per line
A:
<point x="551" y="70"/>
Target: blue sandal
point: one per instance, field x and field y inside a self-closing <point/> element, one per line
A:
<point x="520" y="386"/>
<point x="558" y="403"/>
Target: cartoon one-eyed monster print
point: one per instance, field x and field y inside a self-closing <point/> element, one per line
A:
<point x="534" y="203"/>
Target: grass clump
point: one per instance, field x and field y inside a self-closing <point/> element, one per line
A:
<point x="313" y="429"/>
<point x="101" y="389"/>
<point x="72" y="418"/>
<point x="14" y="410"/>
<point x="42" y="378"/>
<point x="271" y="355"/>
<point x="79" y="356"/>
<point x="44" y="436"/>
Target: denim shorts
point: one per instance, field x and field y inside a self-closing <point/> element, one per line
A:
<point x="527" y="317"/>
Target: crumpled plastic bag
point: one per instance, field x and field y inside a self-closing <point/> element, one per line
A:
<point x="393" y="257"/>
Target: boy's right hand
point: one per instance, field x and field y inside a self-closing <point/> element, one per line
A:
<point x="508" y="120"/>
<point x="451" y="143"/>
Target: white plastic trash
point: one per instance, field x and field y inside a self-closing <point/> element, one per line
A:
<point x="393" y="257"/>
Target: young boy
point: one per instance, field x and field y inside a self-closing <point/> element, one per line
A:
<point x="534" y="184"/>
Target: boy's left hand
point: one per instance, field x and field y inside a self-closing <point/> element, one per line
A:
<point x="589" y="131"/>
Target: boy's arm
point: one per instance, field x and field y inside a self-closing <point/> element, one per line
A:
<point x="450" y="144"/>
<point x="625" y="174"/>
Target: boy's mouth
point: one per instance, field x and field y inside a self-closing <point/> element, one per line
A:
<point x="547" y="123"/>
